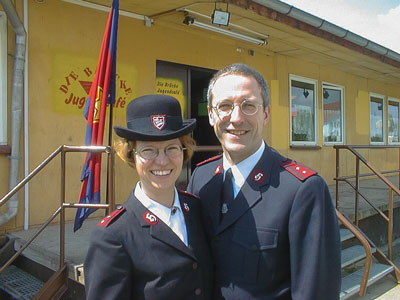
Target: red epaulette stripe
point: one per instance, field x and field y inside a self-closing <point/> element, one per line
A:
<point x="187" y="193"/>
<point x="107" y="220"/>
<point x="301" y="172"/>
<point x="209" y="159"/>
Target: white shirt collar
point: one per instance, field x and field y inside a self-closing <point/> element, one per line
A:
<point x="242" y="170"/>
<point x="161" y="211"/>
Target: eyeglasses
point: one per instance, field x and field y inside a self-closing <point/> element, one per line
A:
<point x="149" y="153"/>
<point x="225" y="108"/>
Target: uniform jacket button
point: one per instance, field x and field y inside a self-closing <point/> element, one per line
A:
<point x="194" y="266"/>
<point x="197" y="292"/>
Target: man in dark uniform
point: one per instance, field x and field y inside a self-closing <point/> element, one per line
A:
<point x="274" y="234"/>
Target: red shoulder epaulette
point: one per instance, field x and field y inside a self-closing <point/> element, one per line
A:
<point x="187" y="193"/>
<point x="209" y="159"/>
<point x="300" y="171"/>
<point x="107" y="220"/>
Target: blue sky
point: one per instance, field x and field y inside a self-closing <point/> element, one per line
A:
<point x="376" y="20"/>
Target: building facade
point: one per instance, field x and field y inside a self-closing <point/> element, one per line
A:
<point x="327" y="85"/>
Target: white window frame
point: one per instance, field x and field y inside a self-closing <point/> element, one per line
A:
<point x="382" y="97"/>
<point x="341" y="89"/>
<point x="3" y="78"/>
<point x="315" y="84"/>
<point x="391" y="99"/>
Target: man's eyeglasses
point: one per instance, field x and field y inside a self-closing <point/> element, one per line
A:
<point x="149" y="153"/>
<point x="225" y="108"/>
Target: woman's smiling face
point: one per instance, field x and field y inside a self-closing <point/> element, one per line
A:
<point x="160" y="173"/>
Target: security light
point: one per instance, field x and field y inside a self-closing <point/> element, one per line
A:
<point x="220" y="17"/>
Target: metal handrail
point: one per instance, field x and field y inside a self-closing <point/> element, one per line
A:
<point x="390" y="185"/>
<point x="367" y="247"/>
<point x="61" y="210"/>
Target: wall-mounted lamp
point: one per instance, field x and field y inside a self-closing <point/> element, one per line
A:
<point x="220" y="17"/>
<point x="189" y="20"/>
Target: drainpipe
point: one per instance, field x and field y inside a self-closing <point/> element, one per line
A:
<point x="16" y="106"/>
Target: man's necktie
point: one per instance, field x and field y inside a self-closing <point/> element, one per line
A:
<point x="227" y="191"/>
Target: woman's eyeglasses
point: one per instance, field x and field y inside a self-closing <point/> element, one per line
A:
<point x="150" y="153"/>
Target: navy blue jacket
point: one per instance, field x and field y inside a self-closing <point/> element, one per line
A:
<point x="280" y="236"/>
<point x="134" y="255"/>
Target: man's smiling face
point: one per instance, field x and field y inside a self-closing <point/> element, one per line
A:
<point x="240" y="135"/>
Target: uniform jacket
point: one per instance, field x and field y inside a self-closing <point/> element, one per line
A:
<point x="279" y="238"/>
<point x="134" y="255"/>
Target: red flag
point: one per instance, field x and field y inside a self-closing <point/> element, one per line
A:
<point x="102" y="92"/>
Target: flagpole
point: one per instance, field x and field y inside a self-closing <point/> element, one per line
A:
<point x="110" y="125"/>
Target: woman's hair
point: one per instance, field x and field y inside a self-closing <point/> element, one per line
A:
<point x="125" y="149"/>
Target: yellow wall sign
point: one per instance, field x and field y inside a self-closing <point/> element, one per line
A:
<point x="172" y="87"/>
<point x="73" y="78"/>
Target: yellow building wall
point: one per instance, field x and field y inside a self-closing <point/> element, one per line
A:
<point x="64" y="44"/>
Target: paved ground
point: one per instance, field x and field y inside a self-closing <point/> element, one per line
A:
<point x="45" y="248"/>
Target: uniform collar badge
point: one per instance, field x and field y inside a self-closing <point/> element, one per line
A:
<point x="158" y="121"/>
<point x="218" y="170"/>
<point x="258" y="176"/>
<point x="150" y="218"/>
<point x="186" y="207"/>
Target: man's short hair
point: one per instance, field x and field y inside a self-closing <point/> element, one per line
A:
<point x="244" y="70"/>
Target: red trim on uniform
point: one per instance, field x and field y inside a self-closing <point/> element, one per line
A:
<point x="107" y="220"/>
<point x="300" y="171"/>
<point x="209" y="159"/>
<point x="187" y="193"/>
<point x="150" y="218"/>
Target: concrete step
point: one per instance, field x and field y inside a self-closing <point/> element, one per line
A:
<point x="353" y="254"/>
<point x="351" y="283"/>
<point x="19" y="284"/>
<point x="345" y="234"/>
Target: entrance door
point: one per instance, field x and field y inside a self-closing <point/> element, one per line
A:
<point x="189" y="85"/>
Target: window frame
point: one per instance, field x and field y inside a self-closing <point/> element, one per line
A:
<point x="392" y="99"/>
<point x="3" y="79"/>
<point x="341" y="89"/>
<point x="382" y="97"/>
<point x="314" y="82"/>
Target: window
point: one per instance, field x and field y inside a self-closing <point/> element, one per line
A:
<point x="303" y="111"/>
<point x="393" y="121"/>
<point x="332" y="105"/>
<point x="377" y="130"/>
<point x="3" y="79"/>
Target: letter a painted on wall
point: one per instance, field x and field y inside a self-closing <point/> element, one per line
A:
<point x="102" y="92"/>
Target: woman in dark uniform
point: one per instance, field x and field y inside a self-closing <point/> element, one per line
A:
<point x="153" y="246"/>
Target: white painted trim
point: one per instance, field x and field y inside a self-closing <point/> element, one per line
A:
<point x="107" y="9"/>
<point x="3" y="78"/>
<point x="392" y="99"/>
<point x="316" y="135"/>
<point x="382" y="97"/>
<point x="332" y="86"/>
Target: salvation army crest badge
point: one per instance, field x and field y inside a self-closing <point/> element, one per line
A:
<point x="158" y="121"/>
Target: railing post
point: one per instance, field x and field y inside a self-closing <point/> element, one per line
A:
<point x="337" y="176"/>
<point x="390" y="225"/>
<point x="62" y="212"/>
<point x="357" y="190"/>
